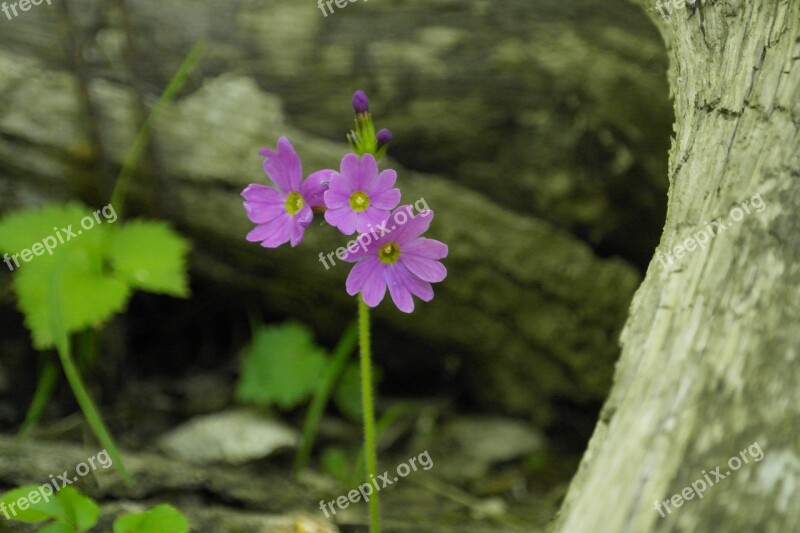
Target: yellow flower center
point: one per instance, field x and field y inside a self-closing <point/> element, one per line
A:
<point x="294" y="203"/>
<point x="359" y="201"/>
<point x="389" y="253"/>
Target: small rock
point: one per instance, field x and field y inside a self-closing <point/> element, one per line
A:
<point x="475" y="444"/>
<point x="231" y="437"/>
<point x="493" y="440"/>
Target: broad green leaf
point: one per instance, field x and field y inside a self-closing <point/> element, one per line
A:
<point x="89" y="293"/>
<point x="39" y="506"/>
<point x="88" y="296"/>
<point x="150" y="256"/>
<point x="160" y="519"/>
<point x="80" y="511"/>
<point x="282" y="366"/>
<point x="22" y="229"/>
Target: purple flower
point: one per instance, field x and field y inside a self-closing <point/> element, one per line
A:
<point x="358" y="197"/>
<point x="399" y="259"/>
<point x="283" y="213"/>
<point x="360" y="102"/>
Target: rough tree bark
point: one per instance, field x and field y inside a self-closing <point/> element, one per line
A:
<point x="711" y="348"/>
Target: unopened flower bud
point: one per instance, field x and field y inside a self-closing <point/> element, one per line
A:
<point x="360" y="102"/>
<point x="384" y="137"/>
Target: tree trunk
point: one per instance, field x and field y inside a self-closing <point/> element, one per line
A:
<point x="711" y="349"/>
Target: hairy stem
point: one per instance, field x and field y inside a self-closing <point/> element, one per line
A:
<point x="370" y="448"/>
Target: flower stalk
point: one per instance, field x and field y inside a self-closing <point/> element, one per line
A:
<point x="358" y="198"/>
<point x="370" y="436"/>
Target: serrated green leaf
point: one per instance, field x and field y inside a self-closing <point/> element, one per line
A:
<point x="20" y="230"/>
<point x="88" y="296"/>
<point x="281" y="366"/>
<point x="44" y="508"/>
<point x="150" y="256"/>
<point x="80" y="511"/>
<point x="160" y="519"/>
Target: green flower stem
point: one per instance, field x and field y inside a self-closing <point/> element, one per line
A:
<point x="341" y="354"/>
<point x="135" y="154"/>
<point x="64" y="349"/>
<point x="90" y="411"/>
<point x="44" y="391"/>
<point x="370" y="448"/>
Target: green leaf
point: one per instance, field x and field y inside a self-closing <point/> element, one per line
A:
<point x="322" y="393"/>
<point x="20" y="230"/>
<point x="80" y="511"/>
<point x="347" y="395"/>
<point x="151" y="256"/>
<point x="160" y="519"/>
<point x="88" y="296"/>
<point x="336" y="463"/>
<point x="44" y="508"/>
<point x="282" y="366"/>
<point x="57" y="527"/>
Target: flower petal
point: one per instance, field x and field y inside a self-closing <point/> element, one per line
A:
<point x="304" y="216"/>
<point x="263" y="203"/>
<point x="275" y="232"/>
<point x="315" y="186"/>
<point x="350" y="169"/>
<point x="420" y="288"/>
<point x="362" y="172"/>
<point x="342" y="183"/>
<point x="366" y="246"/>
<point x="428" y="248"/>
<point x="383" y="182"/>
<point x="367" y="277"/>
<point x="396" y="276"/>
<point x="387" y="199"/>
<point x="343" y="218"/>
<point x="424" y="268"/>
<point x="404" y="228"/>
<point x="336" y="198"/>
<point x="283" y="167"/>
<point x="371" y="218"/>
<point x="302" y="221"/>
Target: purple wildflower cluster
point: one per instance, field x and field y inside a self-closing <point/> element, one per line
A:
<point x="354" y="199"/>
